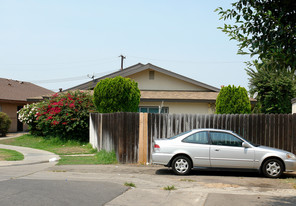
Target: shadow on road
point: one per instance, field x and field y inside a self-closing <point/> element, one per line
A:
<point x="287" y="201"/>
<point x="168" y="171"/>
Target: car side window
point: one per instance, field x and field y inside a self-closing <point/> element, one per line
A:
<point x="225" y="139"/>
<point x="197" y="138"/>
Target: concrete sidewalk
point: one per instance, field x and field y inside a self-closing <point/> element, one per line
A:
<point x="32" y="156"/>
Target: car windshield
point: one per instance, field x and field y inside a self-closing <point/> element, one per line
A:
<point x="178" y="135"/>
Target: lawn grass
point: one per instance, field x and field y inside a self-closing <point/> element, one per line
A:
<point x="101" y="157"/>
<point x="10" y="155"/>
<point x="77" y="160"/>
<point x="54" y="145"/>
<point x="63" y="148"/>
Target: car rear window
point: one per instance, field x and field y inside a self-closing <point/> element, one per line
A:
<point x="197" y="138"/>
<point x="178" y="135"/>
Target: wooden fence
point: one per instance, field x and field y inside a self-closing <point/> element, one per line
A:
<point x="118" y="132"/>
<point x="131" y="134"/>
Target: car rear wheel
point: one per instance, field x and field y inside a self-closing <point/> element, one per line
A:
<point x="181" y="165"/>
<point x="273" y="168"/>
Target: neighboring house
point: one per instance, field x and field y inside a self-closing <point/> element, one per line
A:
<point x="14" y="95"/>
<point x="293" y="101"/>
<point x="160" y="88"/>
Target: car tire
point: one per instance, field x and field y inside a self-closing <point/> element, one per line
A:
<point x="273" y="168"/>
<point x="181" y="165"/>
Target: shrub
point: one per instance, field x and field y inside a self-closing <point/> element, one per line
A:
<point x="63" y="115"/>
<point x="4" y="124"/>
<point x="66" y="115"/>
<point x="28" y="115"/>
<point x="233" y="100"/>
<point x="117" y="95"/>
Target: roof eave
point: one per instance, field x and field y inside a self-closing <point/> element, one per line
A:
<point x="177" y="100"/>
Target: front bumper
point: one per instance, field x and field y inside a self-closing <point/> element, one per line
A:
<point x="290" y="165"/>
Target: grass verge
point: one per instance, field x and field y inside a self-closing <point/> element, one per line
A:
<point x="54" y="145"/>
<point x="64" y="148"/>
<point x="10" y="155"/>
<point x="101" y="157"/>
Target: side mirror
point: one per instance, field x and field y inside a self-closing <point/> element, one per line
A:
<point x="246" y="145"/>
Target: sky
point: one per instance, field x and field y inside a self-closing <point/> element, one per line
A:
<point x="62" y="43"/>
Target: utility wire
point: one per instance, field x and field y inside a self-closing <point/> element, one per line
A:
<point x="193" y="62"/>
<point x="58" y="63"/>
<point x="84" y="77"/>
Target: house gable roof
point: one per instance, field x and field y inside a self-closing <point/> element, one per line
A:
<point x="20" y="91"/>
<point x="139" y="68"/>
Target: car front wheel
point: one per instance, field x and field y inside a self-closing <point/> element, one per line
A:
<point x="181" y="165"/>
<point x="273" y="168"/>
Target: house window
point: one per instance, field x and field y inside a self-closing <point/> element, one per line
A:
<point x="151" y="75"/>
<point x="0" y="108"/>
<point x="153" y="109"/>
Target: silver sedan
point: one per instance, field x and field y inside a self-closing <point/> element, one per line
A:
<point x="214" y="148"/>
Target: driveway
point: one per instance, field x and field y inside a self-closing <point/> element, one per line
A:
<point x="199" y="188"/>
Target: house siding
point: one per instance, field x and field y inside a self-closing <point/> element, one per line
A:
<point x="11" y="110"/>
<point x="294" y="108"/>
<point x="162" y="82"/>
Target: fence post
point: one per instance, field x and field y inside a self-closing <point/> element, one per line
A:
<point x="143" y="138"/>
<point x="93" y="137"/>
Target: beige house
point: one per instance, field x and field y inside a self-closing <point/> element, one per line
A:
<point x="14" y="95"/>
<point x="165" y="91"/>
<point x="293" y="101"/>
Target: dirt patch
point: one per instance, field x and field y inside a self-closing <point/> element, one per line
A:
<point x="219" y="185"/>
<point x="207" y="179"/>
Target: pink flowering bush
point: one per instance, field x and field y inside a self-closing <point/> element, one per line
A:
<point x="66" y="115"/>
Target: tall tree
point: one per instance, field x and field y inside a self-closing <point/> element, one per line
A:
<point x="274" y="87"/>
<point x="264" y="27"/>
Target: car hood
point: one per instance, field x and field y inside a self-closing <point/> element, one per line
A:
<point x="271" y="149"/>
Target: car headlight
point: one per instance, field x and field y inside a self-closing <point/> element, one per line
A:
<point x="290" y="156"/>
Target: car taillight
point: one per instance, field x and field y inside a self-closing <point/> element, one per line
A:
<point x="156" y="146"/>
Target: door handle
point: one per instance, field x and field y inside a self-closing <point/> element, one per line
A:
<point x="217" y="150"/>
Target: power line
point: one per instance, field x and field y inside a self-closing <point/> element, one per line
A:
<point x="193" y="62"/>
<point x="49" y="81"/>
<point x="58" y="63"/>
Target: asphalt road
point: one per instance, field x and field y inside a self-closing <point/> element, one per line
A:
<point x="17" y="187"/>
<point x="57" y="192"/>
